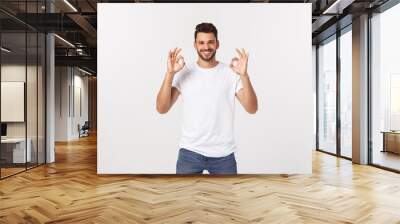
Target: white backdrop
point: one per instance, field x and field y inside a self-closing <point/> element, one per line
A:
<point x="133" y="43"/>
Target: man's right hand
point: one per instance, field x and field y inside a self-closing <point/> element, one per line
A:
<point x="175" y="61"/>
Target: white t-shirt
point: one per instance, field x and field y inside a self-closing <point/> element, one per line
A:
<point x="208" y="108"/>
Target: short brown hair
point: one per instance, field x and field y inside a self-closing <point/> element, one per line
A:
<point x="206" y="28"/>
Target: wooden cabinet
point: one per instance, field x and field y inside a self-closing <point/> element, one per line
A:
<point x="391" y="142"/>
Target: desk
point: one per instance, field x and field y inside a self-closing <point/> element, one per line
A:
<point x="15" y="148"/>
<point x="391" y="141"/>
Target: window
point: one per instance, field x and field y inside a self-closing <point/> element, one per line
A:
<point x="327" y="96"/>
<point x="385" y="88"/>
<point x="346" y="93"/>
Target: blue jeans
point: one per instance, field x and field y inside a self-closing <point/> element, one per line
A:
<point x="194" y="163"/>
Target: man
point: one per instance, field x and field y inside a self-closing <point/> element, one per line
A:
<point x="208" y="88"/>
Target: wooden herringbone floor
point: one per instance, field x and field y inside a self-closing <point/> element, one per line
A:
<point x="70" y="191"/>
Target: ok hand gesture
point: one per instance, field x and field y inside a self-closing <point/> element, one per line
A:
<point x="239" y="65"/>
<point x="175" y="61"/>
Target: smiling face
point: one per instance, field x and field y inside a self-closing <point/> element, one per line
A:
<point x="206" y="45"/>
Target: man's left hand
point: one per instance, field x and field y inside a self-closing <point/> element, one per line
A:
<point x="239" y="64"/>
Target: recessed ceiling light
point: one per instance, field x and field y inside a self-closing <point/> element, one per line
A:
<point x="64" y="40"/>
<point x="337" y="7"/>
<point x="70" y="5"/>
<point x="84" y="71"/>
<point x="5" y="50"/>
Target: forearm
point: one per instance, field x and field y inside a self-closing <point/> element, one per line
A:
<point x="249" y="95"/>
<point x="164" y="95"/>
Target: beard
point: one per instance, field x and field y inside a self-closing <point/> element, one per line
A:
<point x="207" y="58"/>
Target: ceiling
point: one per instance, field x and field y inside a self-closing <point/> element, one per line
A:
<point x="76" y="22"/>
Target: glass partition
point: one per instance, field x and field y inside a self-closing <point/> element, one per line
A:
<point x="14" y="153"/>
<point x="22" y="77"/>
<point x="327" y="96"/>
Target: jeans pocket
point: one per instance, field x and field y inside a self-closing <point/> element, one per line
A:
<point x="229" y="159"/>
<point x="189" y="156"/>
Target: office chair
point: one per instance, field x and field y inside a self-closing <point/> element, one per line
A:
<point x="84" y="130"/>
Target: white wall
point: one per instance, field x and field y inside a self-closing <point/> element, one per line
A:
<point x="134" y="138"/>
<point x="80" y="84"/>
<point x="61" y="103"/>
<point x="68" y="81"/>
